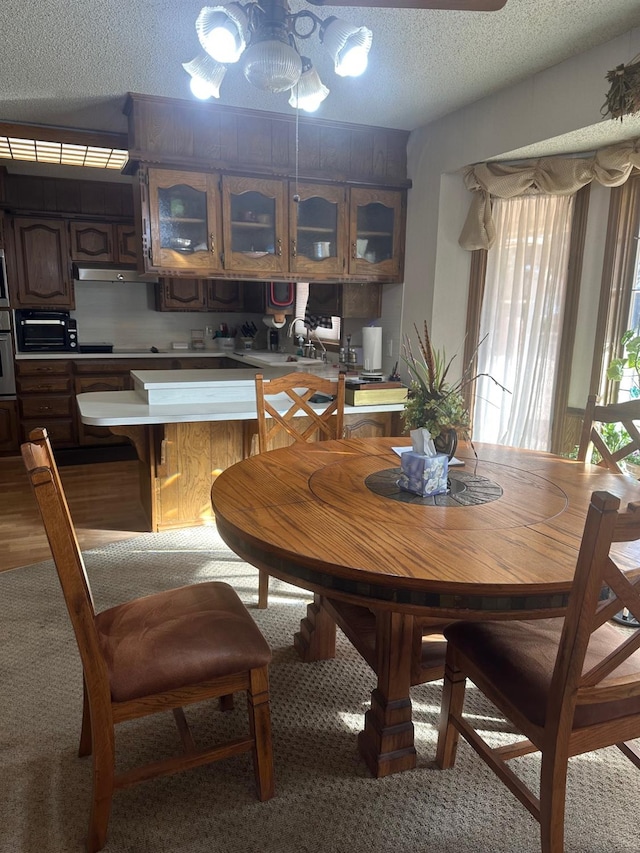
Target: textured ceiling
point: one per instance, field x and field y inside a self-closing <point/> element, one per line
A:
<point x="71" y="62"/>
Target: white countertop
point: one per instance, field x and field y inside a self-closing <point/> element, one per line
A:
<point x="125" y="408"/>
<point x="235" y="389"/>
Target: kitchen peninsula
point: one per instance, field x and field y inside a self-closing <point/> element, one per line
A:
<point x="187" y="426"/>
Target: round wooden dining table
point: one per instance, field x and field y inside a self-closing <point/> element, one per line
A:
<point x="389" y="566"/>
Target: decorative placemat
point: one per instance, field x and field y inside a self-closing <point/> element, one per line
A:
<point x="465" y="489"/>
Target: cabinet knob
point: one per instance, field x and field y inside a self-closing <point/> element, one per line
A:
<point x="212" y="242"/>
<point x="354" y="251"/>
<point x="279" y="249"/>
<point x="294" y="249"/>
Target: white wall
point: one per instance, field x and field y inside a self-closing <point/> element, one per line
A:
<point x="558" y="101"/>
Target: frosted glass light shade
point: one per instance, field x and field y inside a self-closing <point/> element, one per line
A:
<point x="347" y="45"/>
<point x="206" y="76"/>
<point x="271" y="65"/>
<point x="309" y="92"/>
<point x="223" y="31"/>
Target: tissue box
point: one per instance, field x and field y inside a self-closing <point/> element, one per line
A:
<point x="424" y="475"/>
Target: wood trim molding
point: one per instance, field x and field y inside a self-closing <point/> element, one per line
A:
<point x="477" y="277"/>
<point x="73" y="136"/>
<point x="617" y="276"/>
<point x="569" y="323"/>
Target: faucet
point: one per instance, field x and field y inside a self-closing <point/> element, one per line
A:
<point x="292" y="324"/>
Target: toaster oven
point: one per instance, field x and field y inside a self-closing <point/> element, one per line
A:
<point x="46" y="331"/>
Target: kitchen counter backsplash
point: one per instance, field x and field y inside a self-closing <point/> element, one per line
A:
<point x="123" y="314"/>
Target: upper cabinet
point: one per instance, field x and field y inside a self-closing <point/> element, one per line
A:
<point x="254" y="225"/>
<point x="181" y="230"/>
<point x="201" y="225"/>
<point x="103" y="242"/>
<point x="376" y="233"/>
<point x="317" y="225"/>
<point x="42" y="264"/>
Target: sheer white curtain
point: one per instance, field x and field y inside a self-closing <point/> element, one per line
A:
<point x="522" y="313"/>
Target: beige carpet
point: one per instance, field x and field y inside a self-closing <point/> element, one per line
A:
<point x="325" y="800"/>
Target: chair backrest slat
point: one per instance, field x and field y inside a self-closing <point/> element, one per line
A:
<point x="591" y="437"/>
<point x="300" y="422"/>
<point x="56" y="518"/>
<point x="595" y="570"/>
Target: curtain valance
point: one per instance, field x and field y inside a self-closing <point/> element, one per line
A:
<point x="552" y="175"/>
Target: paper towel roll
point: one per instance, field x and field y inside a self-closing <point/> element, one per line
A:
<point x="372" y="348"/>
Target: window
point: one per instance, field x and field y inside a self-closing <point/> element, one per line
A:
<point x="522" y="316"/>
<point x="331" y="335"/>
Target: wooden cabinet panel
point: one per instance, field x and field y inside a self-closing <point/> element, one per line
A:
<point x="62" y="432"/>
<point x="224" y="295"/>
<point x="254" y="225"/>
<point x="93" y="241"/>
<point x="45" y="399"/>
<point x="181" y="294"/>
<point x="376" y="233"/>
<point x="44" y="384"/>
<point x="93" y="435"/>
<point x="127" y="244"/>
<point x="318" y="229"/>
<point x="43" y="275"/>
<point x="181" y="222"/>
<point x="351" y="300"/>
<point x="42" y="367"/>
<point x="372" y="425"/>
<point x="8" y="426"/>
<point x="49" y="406"/>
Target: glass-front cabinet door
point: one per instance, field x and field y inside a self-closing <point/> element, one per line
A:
<point x="375" y="229"/>
<point x="255" y="227"/>
<point x="317" y="227"/>
<point x="184" y="221"/>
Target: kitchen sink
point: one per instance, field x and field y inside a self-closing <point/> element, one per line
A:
<point x="277" y="358"/>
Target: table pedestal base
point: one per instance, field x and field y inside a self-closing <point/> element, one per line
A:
<point x="391" y="644"/>
<point x="386" y="744"/>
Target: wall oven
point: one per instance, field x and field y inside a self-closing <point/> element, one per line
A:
<point x="4" y="287"/>
<point x="46" y="331"/>
<point x="7" y="380"/>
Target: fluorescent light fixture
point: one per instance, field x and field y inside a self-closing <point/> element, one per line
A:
<point x="61" y="153"/>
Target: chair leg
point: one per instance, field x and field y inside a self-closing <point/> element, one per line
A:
<point x="263" y="589"/>
<point x="553" y="789"/>
<point x="85" y="731"/>
<point x="103" y="786"/>
<point x="260" y="728"/>
<point x="452" y="703"/>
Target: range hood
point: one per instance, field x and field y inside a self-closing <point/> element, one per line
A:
<point x="111" y="272"/>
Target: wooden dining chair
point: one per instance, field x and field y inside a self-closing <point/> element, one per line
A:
<point x="287" y="414"/>
<point x="152" y="654"/>
<point x="570" y="685"/>
<point x="624" y="414"/>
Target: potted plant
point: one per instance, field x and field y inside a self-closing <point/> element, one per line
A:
<point x="432" y="401"/>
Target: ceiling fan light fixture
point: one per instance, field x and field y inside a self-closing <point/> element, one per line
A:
<point x="206" y="76"/>
<point x="347" y="45"/>
<point x="271" y="63"/>
<point x="309" y="92"/>
<point x="223" y="31"/>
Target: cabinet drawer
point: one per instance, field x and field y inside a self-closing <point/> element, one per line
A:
<point x="40" y="368"/>
<point x="61" y="432"/>
<point x="44" y="384"/>
<point x="49" y="407"/>
<point x="84" y="384"/>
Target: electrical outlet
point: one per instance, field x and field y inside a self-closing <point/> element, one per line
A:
<point x="208" y="330"/>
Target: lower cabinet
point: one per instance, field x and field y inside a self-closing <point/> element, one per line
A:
<point x="93" y="435"/>
<point x="9" y="441"/>
<point x="373" y="425"/>
<point x="46" y="399"/>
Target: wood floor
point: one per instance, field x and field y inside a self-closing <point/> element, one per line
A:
<point x="102" y="497"/>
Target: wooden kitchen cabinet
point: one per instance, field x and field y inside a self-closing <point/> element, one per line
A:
<point x="254" y="225"/>
<point x="181" y="230"/>
<point x="46" y="399"/>
<point x="42" y="264"/>
<point x="93" y="435"/>
<point x="351" y="300"/>
<point x="103" y="242"/>
<point x="9" y="442"/>
<point x="318" y="229"/>
<point x="225" y="295"/>
<point x="181" y="294"/>
<point x="376" y="233"/>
